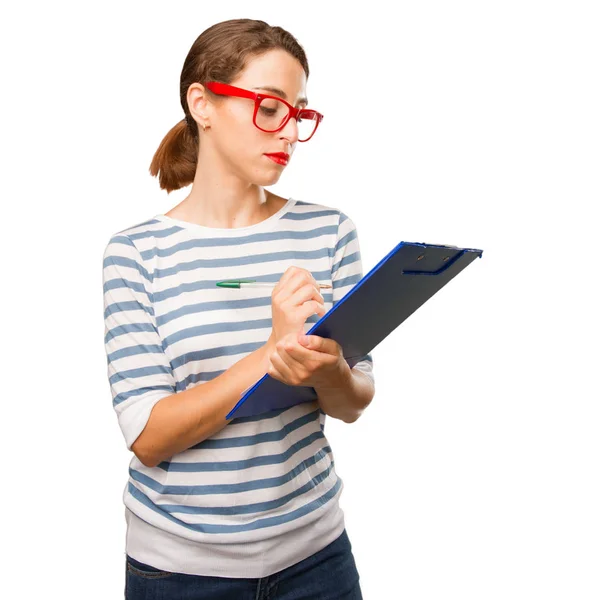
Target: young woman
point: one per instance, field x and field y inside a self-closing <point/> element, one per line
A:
<point x="246" y="508"/>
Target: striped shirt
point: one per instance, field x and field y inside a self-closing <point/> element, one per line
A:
<point x="261" y="494"/>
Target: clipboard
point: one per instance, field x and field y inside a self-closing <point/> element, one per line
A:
<point x="386" y="296"/>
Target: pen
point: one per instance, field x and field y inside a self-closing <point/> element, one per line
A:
<point x="243" y="283"/>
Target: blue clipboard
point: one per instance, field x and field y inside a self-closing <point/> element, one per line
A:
<point x="387" y="295"/>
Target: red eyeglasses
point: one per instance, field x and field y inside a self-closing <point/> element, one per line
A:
<point x="272" y="113"/>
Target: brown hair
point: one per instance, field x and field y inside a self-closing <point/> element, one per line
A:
<point x="219" y="53"/>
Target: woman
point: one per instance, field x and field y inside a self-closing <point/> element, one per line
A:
<point x="246" y="508"/>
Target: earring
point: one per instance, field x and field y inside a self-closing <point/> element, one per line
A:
<point x="204" y="126"/>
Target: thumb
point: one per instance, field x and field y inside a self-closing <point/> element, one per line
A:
<point x="305" y="340"/>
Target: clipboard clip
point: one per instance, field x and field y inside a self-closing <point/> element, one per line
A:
<point x="448" y="264"/>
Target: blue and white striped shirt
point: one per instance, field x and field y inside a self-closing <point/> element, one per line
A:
<point x="261" y="494"/>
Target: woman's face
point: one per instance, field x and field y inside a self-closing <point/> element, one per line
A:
<point x="233" y="135"/>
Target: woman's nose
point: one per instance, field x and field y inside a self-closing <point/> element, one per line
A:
<point x="290" y="131"/>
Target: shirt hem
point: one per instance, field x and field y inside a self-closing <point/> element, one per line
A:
<point x="250" y="560"/>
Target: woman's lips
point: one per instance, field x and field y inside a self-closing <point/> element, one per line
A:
<point x="280" y="159"/>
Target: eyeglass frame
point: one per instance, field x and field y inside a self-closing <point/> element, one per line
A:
<point x="225" y="89"/>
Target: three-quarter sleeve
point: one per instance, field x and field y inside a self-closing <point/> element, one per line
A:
<point x="346" y="272"/>
<point x="139" y="372"/>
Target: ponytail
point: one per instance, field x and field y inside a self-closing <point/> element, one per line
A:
<point x="175" y="159"/>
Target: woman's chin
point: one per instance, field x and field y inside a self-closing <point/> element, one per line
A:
<point x="268" y="179"/>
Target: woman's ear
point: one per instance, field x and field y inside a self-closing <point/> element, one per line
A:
<point x="198" y="104"/>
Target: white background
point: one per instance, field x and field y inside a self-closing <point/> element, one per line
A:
<point x="474" y="472"/>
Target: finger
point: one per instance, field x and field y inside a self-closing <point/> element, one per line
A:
<point x="274" y="372"/>
<point x="304" y="294"/>
<point x="297" y="290"/>
<point x="288" y="274"/>
<point x="298" y="278"/>
<point x="284" y="280"/>
<point x="312" y="307"/>
<point x="285" y="347"/>
<point x="291" y="274"/>
<point x="281" y="366"/>
<point x="305" y="356"/>
<point x="308" y="295"/>
<point x="321" y="344"/>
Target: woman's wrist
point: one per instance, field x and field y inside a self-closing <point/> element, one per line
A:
<point x="267" y="349"/>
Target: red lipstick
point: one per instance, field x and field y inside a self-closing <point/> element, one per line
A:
<point x="279" y="157"/>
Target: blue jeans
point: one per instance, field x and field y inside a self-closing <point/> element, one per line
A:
<point x="326" y="575"/>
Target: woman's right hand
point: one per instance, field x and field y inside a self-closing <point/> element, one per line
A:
<point x="295" y="298"/>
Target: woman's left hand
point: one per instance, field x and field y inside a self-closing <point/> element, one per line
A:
<point x="308" y="361"/>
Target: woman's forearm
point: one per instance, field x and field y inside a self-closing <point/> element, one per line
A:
<point x="186" y="418"/>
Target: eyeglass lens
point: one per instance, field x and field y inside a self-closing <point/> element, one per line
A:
<point x="272" y="113"/>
